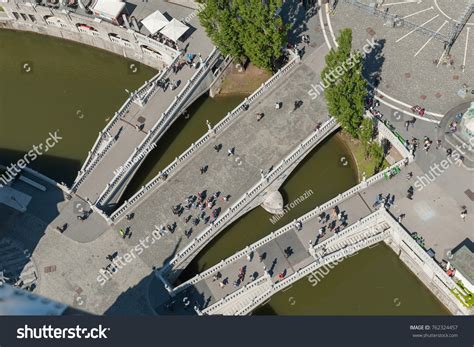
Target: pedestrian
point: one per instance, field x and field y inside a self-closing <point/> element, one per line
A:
<point x="297" y="104"/>
<point x="259" y="116"/>
<point x="230" y="151"/>
<point x="438" y="144"/>
<point x="407" y="124"/>
<point x="400" y="217"/>
<point x="122" y="233"/>
<point x="409" y="175"/>
<point x="277" y="105"/>
<point x="449" y="151"/>
<point x="463" y="213"/>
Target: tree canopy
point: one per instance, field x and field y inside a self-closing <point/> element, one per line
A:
<point x="246" y="28"/>
<point x="347" y="89"/>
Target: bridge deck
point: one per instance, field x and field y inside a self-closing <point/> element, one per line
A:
<point x="258" y="145"/>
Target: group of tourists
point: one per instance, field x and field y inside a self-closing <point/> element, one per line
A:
<point x="201" y="203"/>
<point x="333" y="221"/>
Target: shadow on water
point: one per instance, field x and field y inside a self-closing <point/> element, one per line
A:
<point x="51" y="85"/>
<point x="57" y="168"/>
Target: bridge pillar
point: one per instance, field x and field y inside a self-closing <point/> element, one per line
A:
<point x="273" y="203"/>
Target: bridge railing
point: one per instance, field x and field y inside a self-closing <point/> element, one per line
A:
<point x="145" y="92"/>
<point x="218" y="128"/>
<point x="303" y="272"/>
<point x="290" y="226"/>
<point x="253" y="192"/>
<point x="96" y="148"/>
<point x="166" y="119"/>
<point x="421" y="253"/>
<point x="259" y="281"/>
<point x="447" y="282"/>
<point x="93" y="164"/>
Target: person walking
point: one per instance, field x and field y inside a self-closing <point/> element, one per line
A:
<point x="463" y="213"/>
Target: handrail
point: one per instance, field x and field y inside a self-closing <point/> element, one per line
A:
<point x="376" y="237"/>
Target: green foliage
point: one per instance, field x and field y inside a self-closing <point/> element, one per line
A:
<point x="376" y="153"/>
<point x="246" y="28"/>
<point x="346" y="88"/>
<point x="366" y="134"/>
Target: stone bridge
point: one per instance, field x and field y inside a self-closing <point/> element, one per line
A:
<point x="298" y="250"/>
<point x="133" y="132"/>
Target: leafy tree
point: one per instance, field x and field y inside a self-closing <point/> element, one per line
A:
<point x="219" y="19"/>
<point x="377" y="154"/>
<point x="246" y="28"/>
<point x="263" y="33"/>
<point x="346" y="88"/>
<point x="366" y="134"/>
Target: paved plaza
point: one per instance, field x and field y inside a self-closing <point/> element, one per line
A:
<point x="408" y="61"/>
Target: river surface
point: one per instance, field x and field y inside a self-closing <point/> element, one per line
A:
<point x="48" y="84"/>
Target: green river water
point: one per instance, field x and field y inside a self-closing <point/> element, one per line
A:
<point x="75" y="89"/>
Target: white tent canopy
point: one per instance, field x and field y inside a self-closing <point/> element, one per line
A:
<point x="155" y="21"/>
<point x="109" y="8"/>
<point x="174" y="30"/>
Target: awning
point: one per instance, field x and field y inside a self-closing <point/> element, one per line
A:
<point x="174" y="30"/>
<point x="155" y="21"/>
<point x="109" y="8"/>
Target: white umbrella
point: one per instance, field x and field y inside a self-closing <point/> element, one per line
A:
<point x="155" y="21"/>
<point x="174" y="30"/>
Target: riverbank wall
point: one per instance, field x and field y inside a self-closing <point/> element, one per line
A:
<point x="87" y="30"/>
